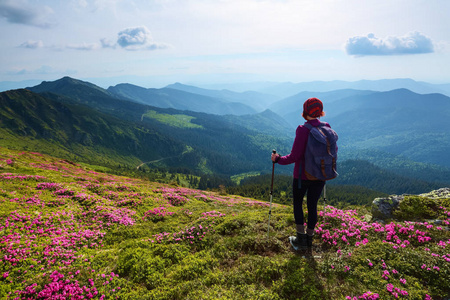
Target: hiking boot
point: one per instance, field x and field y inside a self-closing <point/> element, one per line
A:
<point x="309" y="240"/>
<point x="299" y="241"/>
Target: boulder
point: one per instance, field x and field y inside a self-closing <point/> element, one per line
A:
<point x="382" y="207"/>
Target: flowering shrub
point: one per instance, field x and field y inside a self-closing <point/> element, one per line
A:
<point x="74" y="233"/>
<point x="367" y="295"/>
<point x="64" y="192"/>
<point x="343" y="228"/>
<point x="190" y="235"/>
<point x="391" y="252"/>
<point x="257" y="203"/>
<point x="11" y="176"/>
<point x="157" y="214"/>
<point x="212" y="214"/>
<point x="57" y="286"/>
<point x="84" y="199"/>
<point x="128" y="202"/>
<point x="51" y="186"/>
<point x="175" y="199"/>
<point x="96" y="188"/>
<point x="203" y="198"/>
<point x="107" y="216"/>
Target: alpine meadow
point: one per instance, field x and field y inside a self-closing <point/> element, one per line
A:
<point x="163" y="193"/>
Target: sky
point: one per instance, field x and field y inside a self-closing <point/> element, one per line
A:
<point x="153" y="43"/>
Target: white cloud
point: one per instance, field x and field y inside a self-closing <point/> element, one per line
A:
<point x="138" y="38"/>
<point x="84" y="46"/>
<point x="411" y="43"/>
<point x="21" y="12"/>
<point x="106" y="43"/>
<point x="32" y="44"/>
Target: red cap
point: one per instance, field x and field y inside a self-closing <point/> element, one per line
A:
<point x="313" y="107"/>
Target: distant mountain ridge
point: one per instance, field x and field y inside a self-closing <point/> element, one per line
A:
<point x="287" y="89"/>
<point x="164" y="98"/>
<point x="256" y="100"/>
<point x="67" y="85"/>
<point x="401" y="122"/>
<point x="178" y="99"/>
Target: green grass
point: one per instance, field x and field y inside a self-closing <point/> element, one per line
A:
<point x="91" y="155"/>
<point x="126" y="238"/>
<point x="178" y="120"/>
<point x="237" y="178"/>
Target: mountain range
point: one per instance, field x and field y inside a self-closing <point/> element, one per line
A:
<point x="182" y="100"/>
<point x="202" y="142"/>
<point x="400" y="122"/>
<point x="258" y="101"/>
<point x="399" y="131"/>
<point x="287" y="89"/>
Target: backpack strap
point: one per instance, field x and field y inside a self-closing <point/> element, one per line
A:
<point x="309" y="126"/>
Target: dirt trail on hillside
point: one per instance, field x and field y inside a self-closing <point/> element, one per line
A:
<point x="154" y="161"/>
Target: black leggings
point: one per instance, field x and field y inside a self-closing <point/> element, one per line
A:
<point x="313" y="190"/>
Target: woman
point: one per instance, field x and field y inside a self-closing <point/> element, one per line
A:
<point x="312" y="111"/>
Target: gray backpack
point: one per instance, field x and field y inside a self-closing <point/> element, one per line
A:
<point x="321" y="153"/>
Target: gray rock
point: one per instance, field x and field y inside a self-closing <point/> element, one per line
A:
<point x="435" y="222"/>
<point x="382" y="207"/>
<point x="438" y="194"/>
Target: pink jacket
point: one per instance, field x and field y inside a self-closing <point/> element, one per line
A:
<point x="297" y="154"/>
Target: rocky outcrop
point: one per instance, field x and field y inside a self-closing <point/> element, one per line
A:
<point x="438" y="194"/>
<point x="382" y="207"/>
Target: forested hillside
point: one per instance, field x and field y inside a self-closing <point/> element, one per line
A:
<point x="30" y="121"/>
<point x="204" y="143"/>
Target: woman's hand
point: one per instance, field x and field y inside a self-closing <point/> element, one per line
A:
<point x="274" y="157"/>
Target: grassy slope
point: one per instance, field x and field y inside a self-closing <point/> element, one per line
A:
<point x="35" y="123"/>
<point x="66" y="228"/>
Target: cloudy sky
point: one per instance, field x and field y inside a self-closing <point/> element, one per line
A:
<point x="157" y="42"/>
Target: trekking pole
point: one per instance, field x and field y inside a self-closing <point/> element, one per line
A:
<point x="324" y="201"/>
<point x="271" y="193"/>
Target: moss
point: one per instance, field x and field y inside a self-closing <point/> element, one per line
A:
<point x="414" y="208"/>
